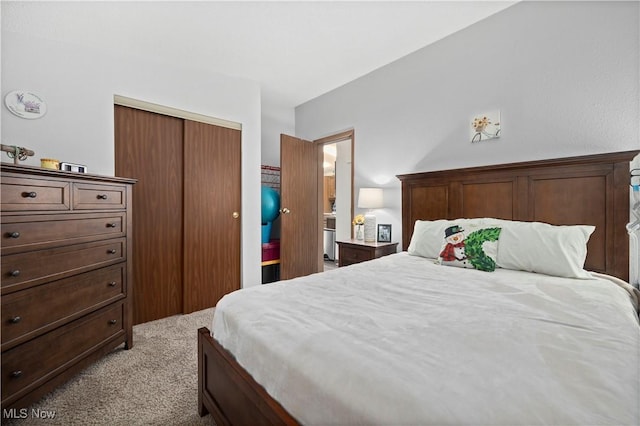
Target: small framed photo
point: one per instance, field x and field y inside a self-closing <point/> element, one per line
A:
<point x="384" y="233"/>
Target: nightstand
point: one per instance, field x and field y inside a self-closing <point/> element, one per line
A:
<point x="354" y="251"/>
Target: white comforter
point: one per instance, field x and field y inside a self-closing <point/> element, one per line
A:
<point x="403" y="341"/>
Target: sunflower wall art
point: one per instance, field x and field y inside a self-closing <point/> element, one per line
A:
<point x="485" y="126"/>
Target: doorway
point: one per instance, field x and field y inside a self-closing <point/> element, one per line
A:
<point x="335" y="203"/>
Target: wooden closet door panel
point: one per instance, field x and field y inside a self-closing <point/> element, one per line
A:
<point x="212" y="177"/>
<point x="148" y="147"/>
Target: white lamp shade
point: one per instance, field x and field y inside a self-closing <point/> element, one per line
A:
<point x="370" y="198"/>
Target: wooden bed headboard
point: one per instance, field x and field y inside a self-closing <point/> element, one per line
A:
<point x="587" y="190"/>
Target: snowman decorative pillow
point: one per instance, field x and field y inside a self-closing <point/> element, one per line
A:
<point x="475" y="247"/>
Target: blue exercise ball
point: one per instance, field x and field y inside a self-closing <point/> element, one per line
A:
<point x="270" y="204"/>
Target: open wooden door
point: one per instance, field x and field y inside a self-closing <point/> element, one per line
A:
<point x="298" y="207"/>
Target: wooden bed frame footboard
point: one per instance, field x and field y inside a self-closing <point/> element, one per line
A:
<point x="578" y="190"/>
<point x="229" y="393"/>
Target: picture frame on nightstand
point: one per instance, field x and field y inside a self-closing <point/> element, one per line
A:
<point x="384" y="233"/>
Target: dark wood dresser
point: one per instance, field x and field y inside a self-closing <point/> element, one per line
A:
<point x="66" y="276"/>
<point x="354" y="251"/>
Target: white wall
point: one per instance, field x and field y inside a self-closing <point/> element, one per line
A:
<point x="78" y="86"/>
<point x="276" y="119"/>
<point x="564" y="75"/>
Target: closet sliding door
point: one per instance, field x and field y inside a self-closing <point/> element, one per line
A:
<point x="211" y="214"/>
<point x="186" y="207"/>
<point x="148" y="147"/>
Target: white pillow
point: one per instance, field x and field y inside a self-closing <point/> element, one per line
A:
<point x="427" y="238"/>
<point x="544" y="248"/>
<point x="523" y="246"/>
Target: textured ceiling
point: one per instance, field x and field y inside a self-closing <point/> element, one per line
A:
<point x="295" y="50"/>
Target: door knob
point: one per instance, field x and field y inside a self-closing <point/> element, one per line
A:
<point x="235" y="215"/>
<point x="285" y="210"/>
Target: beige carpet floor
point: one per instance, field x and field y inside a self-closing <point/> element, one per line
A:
<point x="154" y="383"/>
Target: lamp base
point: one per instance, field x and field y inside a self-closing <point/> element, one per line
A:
<point x="369" y="228"/>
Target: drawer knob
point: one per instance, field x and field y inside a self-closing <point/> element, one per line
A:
<point x="15" y="319"/>
<point x="111" y="225"/>
<point x="14" y="235"/>
<point x="102" y="196"/>
<point x="112" y="283"/>
<point x="16" y="374"/>
<point x="31" y="194"/>
<point x="113" y="322"/>
<point x="112" y="251"/>
<point x="15" y="273"/>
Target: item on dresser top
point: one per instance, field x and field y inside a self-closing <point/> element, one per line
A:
<point x="49" y="163"/>
<point x="17" y="153"/>
<point x="70" y="167"/>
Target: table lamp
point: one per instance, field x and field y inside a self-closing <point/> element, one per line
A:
<point x="370" y="198"/>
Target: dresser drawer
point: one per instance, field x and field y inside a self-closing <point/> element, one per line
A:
<point x="353" y="251"/>
<point x="65" y="300"/>
<point x="354" y="255"/>
<point x="88" y="196"/>
<point x="37" y="267"/>
<point x="20" y="194"/>
<point x="21" y="233"/>
<point x="33" y="363"/>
